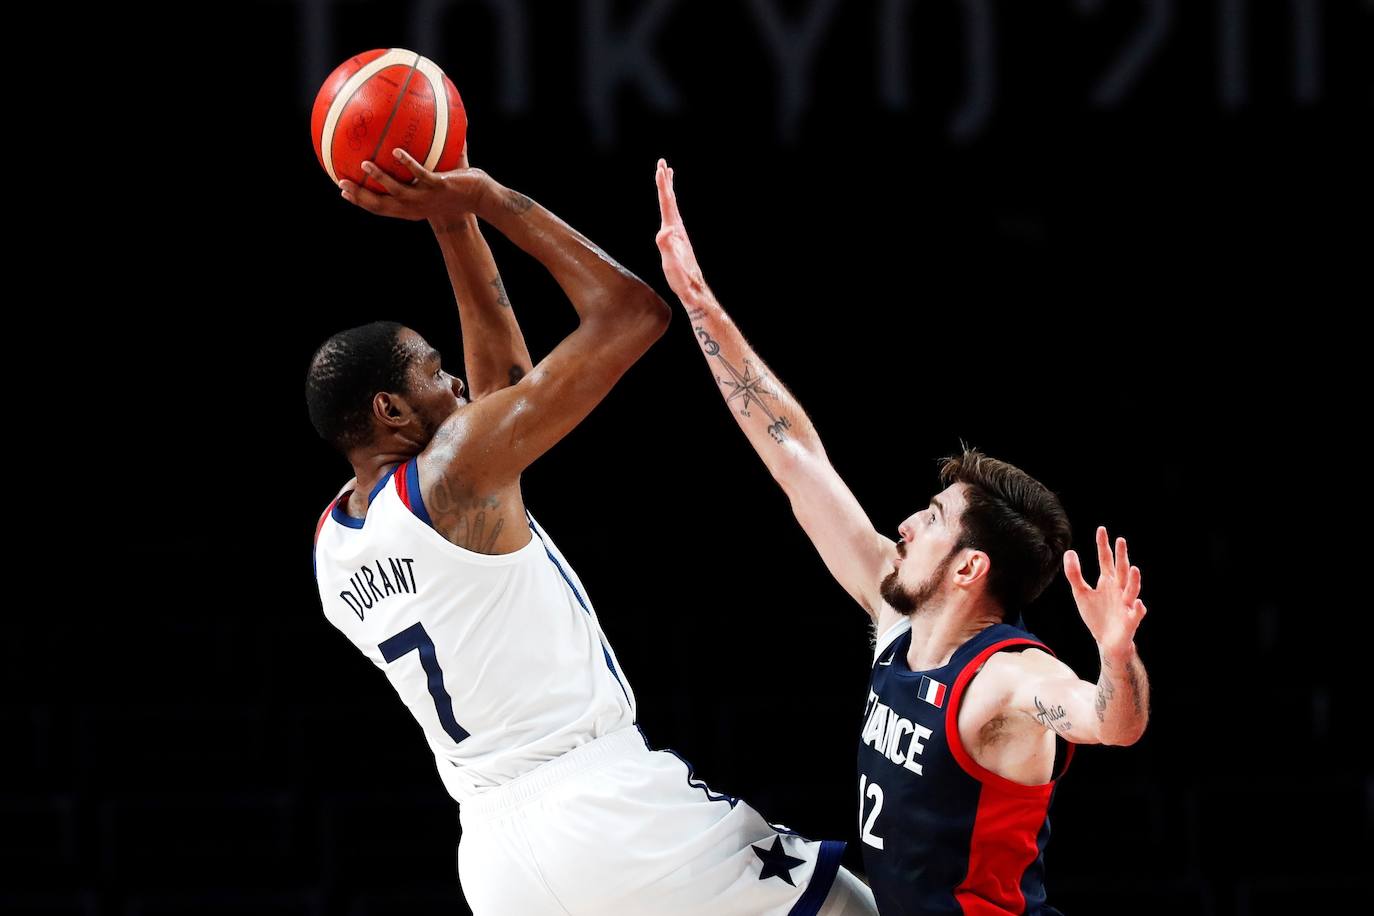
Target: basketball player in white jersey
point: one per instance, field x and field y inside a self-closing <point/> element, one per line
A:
<point x="429" y="562"/>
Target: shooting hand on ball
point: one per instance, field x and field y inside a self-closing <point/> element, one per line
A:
<point x="431" y="194"/>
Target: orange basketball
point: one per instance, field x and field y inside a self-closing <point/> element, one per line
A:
<point x="379" y="100"/>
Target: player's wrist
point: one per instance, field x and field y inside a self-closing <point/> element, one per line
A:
<point x="493" y="200"/>
<point x="453" y="224"/>
<point x="1117" y="655"/>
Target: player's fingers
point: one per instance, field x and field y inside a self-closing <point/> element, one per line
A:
<point x="667" y="196"/>
<point x="422" y="174"/>
<point x="393" y="187"/>
<point x="1139" y="610"/>
<point x="664" y="197"/>
<point x="362" y="197"/>
<point x="1122" y="564"/>
<point x="1073" y="571"/>
<point x="1104" y="552"/>
<point x="1132" y="586"/>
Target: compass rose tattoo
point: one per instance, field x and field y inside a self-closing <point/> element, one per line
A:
<point x="746" y="386"/>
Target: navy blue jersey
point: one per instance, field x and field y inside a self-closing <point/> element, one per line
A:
<point x="940" y="833"/>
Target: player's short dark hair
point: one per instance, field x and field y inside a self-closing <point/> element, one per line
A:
<point x="346" y="372"/>
<point x="1015" y="520"/>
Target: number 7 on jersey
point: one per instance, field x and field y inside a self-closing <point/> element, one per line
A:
<point x="414" y="638"/>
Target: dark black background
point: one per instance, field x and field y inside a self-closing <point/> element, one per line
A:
<point x="1149" y="301"/>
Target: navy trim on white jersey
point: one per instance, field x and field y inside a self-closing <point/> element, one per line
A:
<point x="580" y="600"/>
<point x="822" y="879"/>
<point x="343" y="518"/>
<point x="692" y="779"/>
<point x="417" y="499"/>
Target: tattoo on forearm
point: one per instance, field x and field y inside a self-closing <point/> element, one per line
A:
<point x="516" y="374"/>
<point x="1106" y="688"/>
<point x="518" y="203"/>
<point x="1052" y="717"/>
<point x="707" y="342"/>
<point x="501" y="298"/>
<point x="749" y="386"/>
<point x="473" y="522"/>
<point x="776" y="428"/>
<point x="1105" y="691"/>
<point x="1133" y="684"/>
<point x="696" y="314"/>
<point x="453" y="227"/>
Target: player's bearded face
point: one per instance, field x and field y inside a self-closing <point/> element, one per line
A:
<point x="909" y="600"/>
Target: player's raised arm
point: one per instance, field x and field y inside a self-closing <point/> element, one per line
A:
<point x="488" y="444"/>
<point x="1116" y="709"/>
<point x="780" y="431"/>
<point x="494" y="352"/>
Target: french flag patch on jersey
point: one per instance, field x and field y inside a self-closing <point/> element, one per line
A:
<point x="933" y="692"/>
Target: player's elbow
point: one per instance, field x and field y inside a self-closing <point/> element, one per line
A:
<point x="657" y="313"/>
<point x="643" y="314"/>
<point x="1123" y="737"/>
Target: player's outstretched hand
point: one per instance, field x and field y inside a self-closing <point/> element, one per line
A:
<point x="431" y="194"/>
<point x="679" y="261"/>
<point x="1113" y="609"/>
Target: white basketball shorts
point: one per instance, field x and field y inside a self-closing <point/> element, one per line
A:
<point x="613" y="828"/>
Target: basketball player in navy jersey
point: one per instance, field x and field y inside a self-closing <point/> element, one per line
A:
<point x="430" y="564"/>
<point x="970" y="719"/>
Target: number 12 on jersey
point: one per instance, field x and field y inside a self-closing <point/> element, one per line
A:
<point x="874" y="791"/>
<point x="414" y="638"/>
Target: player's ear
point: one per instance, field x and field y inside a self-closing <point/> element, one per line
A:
<point x="389" y="408"/>
<point x="974" y="567"/>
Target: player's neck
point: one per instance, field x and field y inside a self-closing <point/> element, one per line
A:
<point x="367" y="470"/>
<point x="937" y="633"/>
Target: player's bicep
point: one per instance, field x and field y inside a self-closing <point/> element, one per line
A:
<point x="1047" y="691"/>
<point x="854" y="552"/>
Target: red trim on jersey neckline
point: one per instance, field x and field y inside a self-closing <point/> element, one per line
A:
<point x="956" y="744"/>
<point x="402" y="490"/>
<point x="319" y="526"/>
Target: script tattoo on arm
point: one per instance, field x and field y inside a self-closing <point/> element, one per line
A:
<point x="746" y="386"/>
<point x="1052" y="717"/>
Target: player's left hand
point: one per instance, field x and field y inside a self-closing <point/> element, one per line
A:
<point x="680" y="266"/>
<point x="429" y="195"/>
<point x="1113" y="609"/>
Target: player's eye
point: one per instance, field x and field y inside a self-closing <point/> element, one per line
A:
<point x="931" y="520"/>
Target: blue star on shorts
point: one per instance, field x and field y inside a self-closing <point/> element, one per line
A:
<point x="776" y="862"/>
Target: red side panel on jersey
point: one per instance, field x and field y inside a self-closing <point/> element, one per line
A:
<point x="1003" y="846"/>
<point x="1007" y="823"/>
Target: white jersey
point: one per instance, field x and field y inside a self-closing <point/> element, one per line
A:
<point x="500" y="658"/>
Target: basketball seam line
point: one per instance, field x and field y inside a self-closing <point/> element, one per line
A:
<point x="351" y="96"/>
<point x="395" y="108"/>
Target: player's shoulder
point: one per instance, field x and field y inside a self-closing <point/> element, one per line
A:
<point x="1014" y="664"/>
